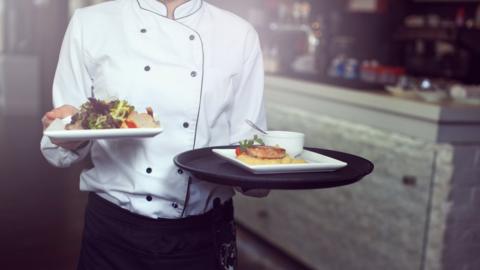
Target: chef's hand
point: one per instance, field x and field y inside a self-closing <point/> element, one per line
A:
<point x="259" y="193"/>
<point x="60" y="113"/>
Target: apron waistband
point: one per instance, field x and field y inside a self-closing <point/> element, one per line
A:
<point x="220" y="212"/>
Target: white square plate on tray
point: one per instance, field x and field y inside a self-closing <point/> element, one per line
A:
<point x="315" y="163"/>
<point x="57" y="130"/>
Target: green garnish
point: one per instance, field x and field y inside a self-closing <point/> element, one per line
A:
<point x="119" y="109"/>
<point x="99" y="114"/>
<point x="249" y="143"/>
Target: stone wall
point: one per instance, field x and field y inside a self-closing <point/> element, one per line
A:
<point x="462" y="238"/>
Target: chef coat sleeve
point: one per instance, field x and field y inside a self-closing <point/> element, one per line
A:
<point x="248" y="100"/>
<point x="72" y="85"/>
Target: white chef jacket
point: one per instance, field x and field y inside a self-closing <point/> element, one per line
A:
<point x="201" y="72"/>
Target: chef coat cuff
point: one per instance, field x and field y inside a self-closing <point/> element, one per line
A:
<point x="259" y="193"/>
<point x="61" y="157"/>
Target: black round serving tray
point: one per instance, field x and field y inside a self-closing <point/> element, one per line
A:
<point x="207" y="166"/>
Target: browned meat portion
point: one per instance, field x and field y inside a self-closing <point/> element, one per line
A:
<point x="150" y="111"/>
<point x="142" y="120"/>
<point x="74" y="126"/>
<point x="266" y="152"/>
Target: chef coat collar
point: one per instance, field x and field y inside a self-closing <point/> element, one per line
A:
<point x="184" y="10"/>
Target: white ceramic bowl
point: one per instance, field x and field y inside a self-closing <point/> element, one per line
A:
<point x="292" y="142"/>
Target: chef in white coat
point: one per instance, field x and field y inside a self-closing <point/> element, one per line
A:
<point x="200" y="68"/>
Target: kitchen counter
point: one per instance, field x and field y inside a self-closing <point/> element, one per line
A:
<point x="445" y="122"/>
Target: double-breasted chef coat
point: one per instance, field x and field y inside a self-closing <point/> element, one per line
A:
<point x="201" y="72"/>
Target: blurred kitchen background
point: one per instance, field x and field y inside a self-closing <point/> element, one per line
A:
<point x="395" y="81"/>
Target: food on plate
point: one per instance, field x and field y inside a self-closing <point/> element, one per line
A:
<point x="261" y="161"/>
<point x="143" y="120"/>
<point x="265" y="152"/>
<point x="255" y="152"/>
<point x="99" y="114"/>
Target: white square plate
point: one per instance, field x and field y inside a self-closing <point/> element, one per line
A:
<point x="315" y="163"/>
<point x="57" y="130"/>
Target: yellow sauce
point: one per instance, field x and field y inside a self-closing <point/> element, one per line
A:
<point x="259" y="161"/>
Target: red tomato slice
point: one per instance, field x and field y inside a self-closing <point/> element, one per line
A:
<point x="130" y="124"/>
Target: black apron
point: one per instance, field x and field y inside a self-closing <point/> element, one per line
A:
<point x="116" y="239"/>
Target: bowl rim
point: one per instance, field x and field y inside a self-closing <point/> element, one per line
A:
<point x="283" y="134"/>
